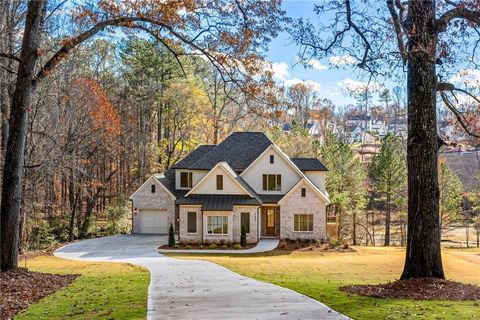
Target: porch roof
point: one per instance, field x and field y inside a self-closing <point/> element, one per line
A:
<point x="211" y="202"/>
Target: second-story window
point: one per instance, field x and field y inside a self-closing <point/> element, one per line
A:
<point x="272" y="182"/>
<point x="186" y="180"/>
<point x="272" y="158"/>
<point x="153" y="188"/>
<point x="304" y="192"/>
<point x="219" y="182"/>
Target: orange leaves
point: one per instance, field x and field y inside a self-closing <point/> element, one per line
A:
<point x="104" y="116"/>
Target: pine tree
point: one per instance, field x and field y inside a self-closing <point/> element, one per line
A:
<point x="389" y="171"/>
<point x="451" y="194"/>
<point x="171" y="236"/>
<point x="243" y="237"/>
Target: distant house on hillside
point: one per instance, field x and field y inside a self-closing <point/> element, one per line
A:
<point x="244" y="182"/>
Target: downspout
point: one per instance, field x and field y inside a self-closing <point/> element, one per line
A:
<point x="131" y="201"/>
<point x="203" y="231"/>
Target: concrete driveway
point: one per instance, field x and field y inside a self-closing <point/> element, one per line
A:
<point x="193" y="289"/>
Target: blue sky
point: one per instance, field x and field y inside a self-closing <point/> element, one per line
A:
<point x="283" y="54"/>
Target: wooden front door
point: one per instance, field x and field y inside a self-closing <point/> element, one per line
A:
<point x="270" y="221"/>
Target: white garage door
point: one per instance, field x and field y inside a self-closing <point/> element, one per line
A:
<point x="153" y="221"/>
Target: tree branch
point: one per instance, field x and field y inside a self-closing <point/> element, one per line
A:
<point x="458" y="115"/>
<point x="359" y="32"/>
<point x="10" y="56"/>
<point x="459" y="12"/>
<point x="397" y="25"/>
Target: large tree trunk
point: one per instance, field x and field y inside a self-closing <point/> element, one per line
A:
<point x="14" y="156"/>
<point x="423" y="256"/>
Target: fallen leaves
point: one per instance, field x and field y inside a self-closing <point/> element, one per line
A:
<point x="20" y="288"/>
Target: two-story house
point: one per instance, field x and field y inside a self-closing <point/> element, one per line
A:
<point x="246" y="180"/>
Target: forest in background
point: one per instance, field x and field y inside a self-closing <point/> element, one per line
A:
<point x="125" y="107"/>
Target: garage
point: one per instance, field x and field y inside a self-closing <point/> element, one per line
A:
<point x="153" y="221"/>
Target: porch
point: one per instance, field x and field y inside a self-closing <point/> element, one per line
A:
<point x="270" y="222"/>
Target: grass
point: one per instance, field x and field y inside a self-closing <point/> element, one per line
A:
<point x="103" y="291"/>
<point x="319" y="275"/>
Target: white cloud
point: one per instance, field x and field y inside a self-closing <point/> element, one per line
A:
<point x="467" y="77"/>
<point x="357" y="86"/>
<point x="280" y="70"/>
<point x="309" y="83"/>
<point x="341" y="60"/>
<point x="317" y="65"/>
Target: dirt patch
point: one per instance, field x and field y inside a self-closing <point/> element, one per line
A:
<point x="419" y="289"/>
<point x="44" y="252"/>
<point x="21" y="288"/>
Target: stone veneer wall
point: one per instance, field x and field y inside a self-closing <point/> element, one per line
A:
<point x="293" y="204"/>
<point x="160" y="200"/>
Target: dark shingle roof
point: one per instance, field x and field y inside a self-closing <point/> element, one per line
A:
<point x="168" y="180"/>
<point x="239" y="150"/>
<point x="309" y="164"/>
<point x="193" y="156"/>
<point x="270" y="198"/>
<point x="211" y="202"/>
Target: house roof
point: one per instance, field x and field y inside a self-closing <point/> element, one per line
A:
<point x="193" y="156"/>
<point x="211" y="202"/>
<point x="270" y="198"/>
<point x="239" y="150"/>
<point x="168" y="180"/>
<point x="309" y="164"/>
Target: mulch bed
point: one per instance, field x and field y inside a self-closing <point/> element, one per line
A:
<point x="419" y="289"/>
<point x="308" y="246"/>
<point x="21" y="288"/>
<point x="206" y="247"/>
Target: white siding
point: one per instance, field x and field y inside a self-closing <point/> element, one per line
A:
<point x="209" y="185"/>
<point x="254" y="175"/>
<point x="318" y="179"/>
<point x="197" y="176"/>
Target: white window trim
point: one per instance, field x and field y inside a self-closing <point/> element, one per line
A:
<point x="180" y="180"/>
<point x="196" y="223"/>
<point x="218" y="234"/>
<point x="313" y="224"/>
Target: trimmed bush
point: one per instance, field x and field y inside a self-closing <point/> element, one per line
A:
<point x="243" y="237"/>
<point x="237" y="246"/>
<point x="201" y="246"/>
<point x="188" y="247"/>
<point x="224" y="246"/>
<point x="213" y="246"/>
<point x="171" y="236"/>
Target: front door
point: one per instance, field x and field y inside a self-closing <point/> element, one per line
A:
<point x="270" y="222"/>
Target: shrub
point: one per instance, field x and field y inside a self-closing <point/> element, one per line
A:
<point x="213" y="246"/>
<point x="243" y="237"/>
<point x="171" y="236"/>
<point x="201" y="246"/>
<point x="345" y="245"/>
<point x="188" y="247"/>
<point x="176" y="246"/>
<point x="224" y="246"/>
<point x="333" y="243"/>
<point x="237" y="246"/>
<point x="118" y="215"/>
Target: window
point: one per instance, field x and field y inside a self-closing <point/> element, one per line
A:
<point x="153" y="188"/>
<point x="191" y="222"/>
<point x="304" y="192"/>
<point x="272" y="158"/>
<point x="217" y="225"/>
<point x="272" y="182"/>
<point x="245" y="221"/>
<point x="303" y="222"/>
<point x="219" y="182"/>
<point x="186" y="180"/>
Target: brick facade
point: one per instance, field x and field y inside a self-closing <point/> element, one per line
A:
<point x="145" y="199"/>
<point x="293" y="204"/>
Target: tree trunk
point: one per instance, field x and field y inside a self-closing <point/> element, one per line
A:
<point x="423" y="255"/>
<point x="18" y="122"/>
<point x="88" y="214"/>
<point x="354" y="235"/>
<point x="387" y="222"/>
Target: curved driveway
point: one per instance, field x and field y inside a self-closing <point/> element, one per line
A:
<point x="193" y="289"/>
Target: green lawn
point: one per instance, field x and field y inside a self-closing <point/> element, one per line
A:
<point x="319" y="275"/>
<point x="103" y="291"/>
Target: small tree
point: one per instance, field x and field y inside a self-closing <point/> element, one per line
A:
<point x="451" y="195"/>
<point x="243" y="237"/>
<point x="171" y="236"/>
<point x="476" y="227"/>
